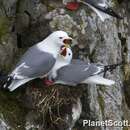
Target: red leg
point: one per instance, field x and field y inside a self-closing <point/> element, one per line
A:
<point x="47" y="82"/>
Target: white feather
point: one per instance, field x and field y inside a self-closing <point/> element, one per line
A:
<point x="60" y="62"/>
<point x="86" y="69"/>
<point x="98" y="80"/>
<point x="47" y="46"/>
<point x="102" y="4"/>
<point x="15" y="71"/>
<point x="100" y="69"/>
<point x="16" y="83"/>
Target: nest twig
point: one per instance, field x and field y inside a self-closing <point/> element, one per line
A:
<point x="53" y="101"/>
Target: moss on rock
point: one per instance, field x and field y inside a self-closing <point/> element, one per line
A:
<point x="12" y="111"/>
<point x="101" y="102"/>
<point x="4" y="26"/>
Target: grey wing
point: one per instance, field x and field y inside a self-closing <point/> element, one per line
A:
<point x="34" y="63"/>
<point x="78" y="61"/>
<point x="75" y="74"/>
<point x="97" y="2"/>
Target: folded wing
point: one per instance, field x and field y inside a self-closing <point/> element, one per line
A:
<point x="33" y="64"/>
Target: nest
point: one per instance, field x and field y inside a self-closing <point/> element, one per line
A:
<point x="54" y="102"/>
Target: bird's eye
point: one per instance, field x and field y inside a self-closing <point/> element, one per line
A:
<point x="60" y="37"/>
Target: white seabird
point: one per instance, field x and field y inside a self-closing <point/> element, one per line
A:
<point x="101" y="7"/>
<point x="38" y="60"/>
<point x="73" y="72"/>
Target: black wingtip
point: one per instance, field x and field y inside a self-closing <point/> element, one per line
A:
<point x="108" y="10"/>
<point x="5" y="81"/>
<point x="113" y="13"/>
<point x="112" y="67"/>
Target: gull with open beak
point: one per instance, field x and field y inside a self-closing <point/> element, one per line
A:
<point x="73" y="72"/>
<point x="37" y="61"/>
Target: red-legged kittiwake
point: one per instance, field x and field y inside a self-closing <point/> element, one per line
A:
<point x="73" y="72"/>
<point x="38" y="60"/>
<point x="101" y="7"/>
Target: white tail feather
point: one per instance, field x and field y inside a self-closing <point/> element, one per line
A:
<point x="98" y="80"/>
<point x="17" y="83"/>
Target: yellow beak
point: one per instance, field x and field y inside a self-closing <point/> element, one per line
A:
<point x="67" y="45"/>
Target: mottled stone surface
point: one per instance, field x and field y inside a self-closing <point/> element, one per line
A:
<point x="25" y="22"/>
<point x="3" y="125"/>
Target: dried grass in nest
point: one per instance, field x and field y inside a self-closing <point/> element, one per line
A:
<point x="54" y="101"/>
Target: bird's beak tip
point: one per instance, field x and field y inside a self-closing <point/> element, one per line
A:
<point x="67" y="45"/>
<point x="67" y="41"/>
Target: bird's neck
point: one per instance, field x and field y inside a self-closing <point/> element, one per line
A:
<point x="60" y="63"/>
<point x="49" y="47"/>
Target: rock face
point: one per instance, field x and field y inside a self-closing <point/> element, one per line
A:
<point x="23" y="23"/>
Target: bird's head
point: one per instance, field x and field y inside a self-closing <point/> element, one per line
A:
<point x="61" y="38"/>
<point x="66" y="54"/>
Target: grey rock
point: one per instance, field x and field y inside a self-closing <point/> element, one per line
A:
<point x="104" y="42"/>
<point x="3" y="125"/>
